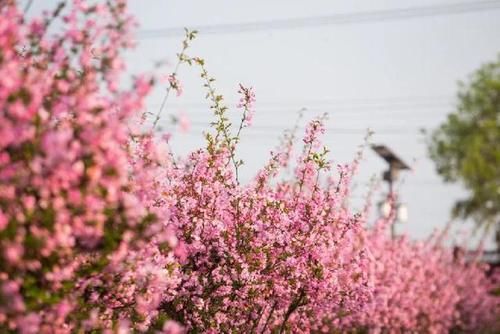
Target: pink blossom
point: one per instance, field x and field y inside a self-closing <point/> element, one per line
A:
<point x="172" y="327"/>
<point x="30" y="324"/>
<point x="13" y="252"/>
<point x="184" y="123"/>
<point x="246" y="103"/>
<point x="175" y="84"/>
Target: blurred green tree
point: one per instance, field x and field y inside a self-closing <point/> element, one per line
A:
<point x="466" y="147"/>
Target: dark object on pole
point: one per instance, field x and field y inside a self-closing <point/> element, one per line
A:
<point x="390" y="175"/>
<point x="392" y="159"/>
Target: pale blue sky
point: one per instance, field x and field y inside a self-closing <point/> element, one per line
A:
<point x="393" y="76"/>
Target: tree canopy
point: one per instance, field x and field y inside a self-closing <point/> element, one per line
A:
<point x="466" y="147"/>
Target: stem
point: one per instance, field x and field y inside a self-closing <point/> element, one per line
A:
<point x="292" y="308"/>
<point x="302" y="179"/>
<point x="181" y="57"/>
<point x="236" y="166"/>
<point x="242" y="122"/>
<point x="256" y="321"/>
<point x="169" y="88"/>
<point x="219" y="111"/>
<point x="27" y="6"/>
<point x="269" y="317"/>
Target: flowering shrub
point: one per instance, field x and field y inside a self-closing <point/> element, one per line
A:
<point x="102" y="230"/>
<point x="69" y="211"/>
<point x="265" y="257"/>
<point x="422" y="287"/>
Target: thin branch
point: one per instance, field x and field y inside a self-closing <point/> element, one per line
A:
<point x="181" y="58"/>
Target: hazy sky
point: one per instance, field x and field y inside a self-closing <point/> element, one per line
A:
<point x="394" y="76"/>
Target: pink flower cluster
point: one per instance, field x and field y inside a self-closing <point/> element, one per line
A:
<point x="102" y="230"/>
<point x="175" y="84"/>
<point x="246" y="103"/>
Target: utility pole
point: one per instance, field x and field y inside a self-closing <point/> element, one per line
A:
<point x="390" y="176"/>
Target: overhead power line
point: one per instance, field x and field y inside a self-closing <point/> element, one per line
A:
<point x="335" y="19"/>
